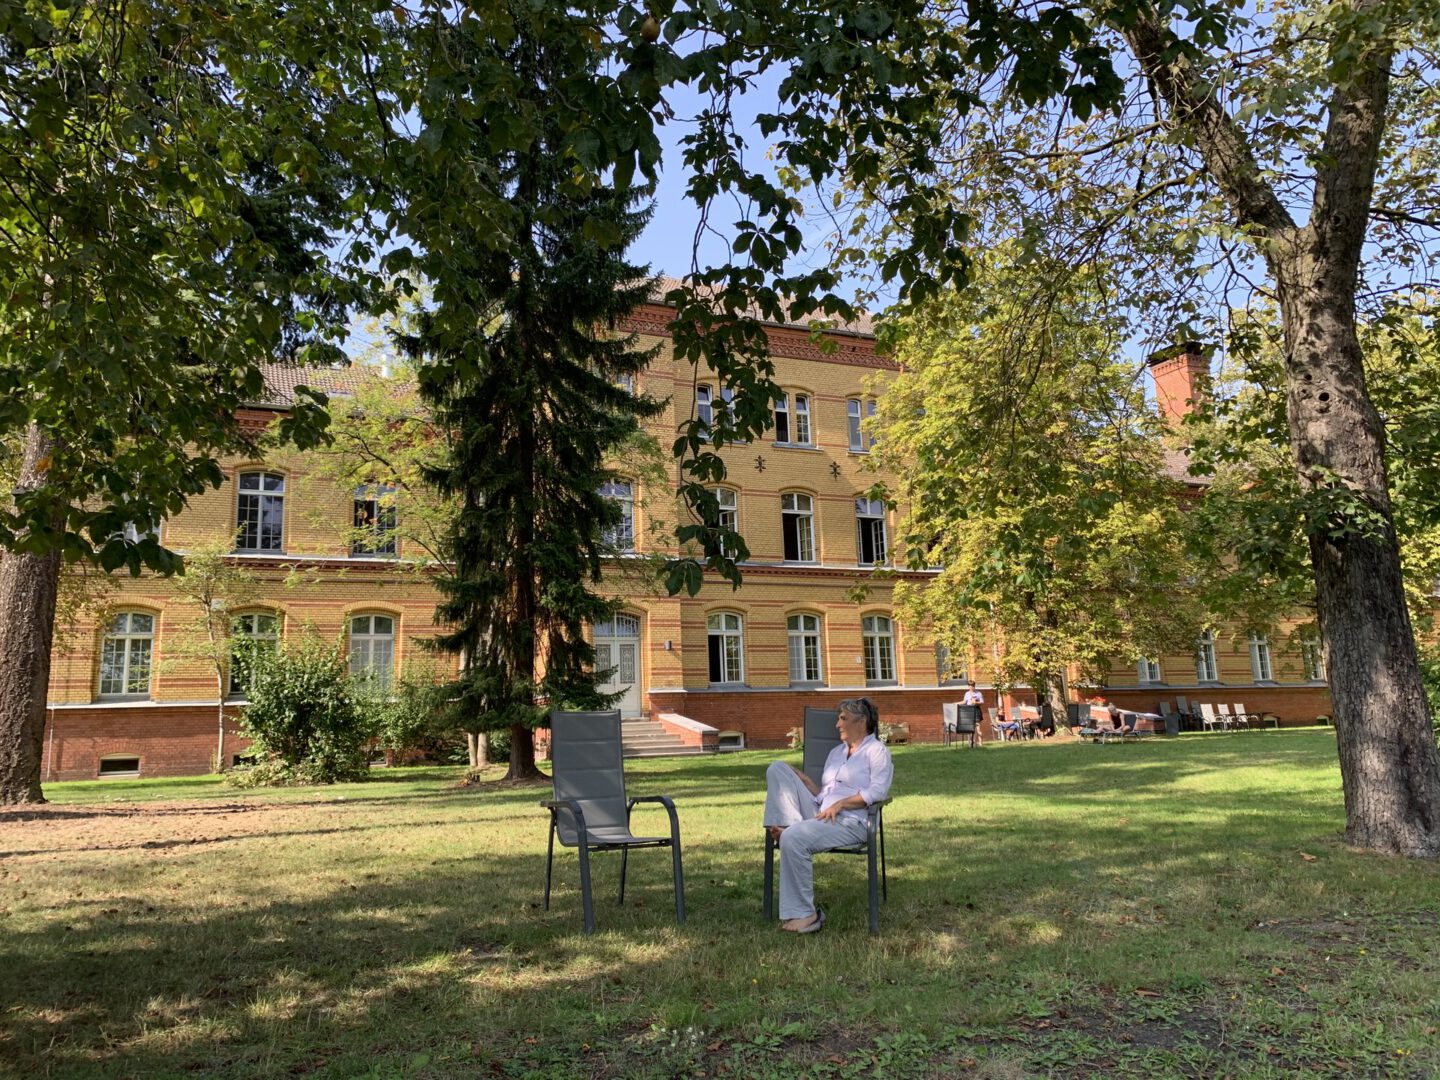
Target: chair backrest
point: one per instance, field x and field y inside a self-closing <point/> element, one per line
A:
<point x="1015" y="713"/>
<point x="1128" y="719"/>
<point x="1241" y="711"/>
<point x="967" y="719"/>
<point x="1076" y="714"/>
<point x="1164" y="708"/>
<point x="1208" y="712"/>
<point x="587" y="764"/>
<point x="1223" y="711"/>
<point x="820" y="738"/>
<point x="1183" y="706"/>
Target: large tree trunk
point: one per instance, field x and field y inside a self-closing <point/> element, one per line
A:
<point x="1388" y="761"/>
<point x="28" y="587"/>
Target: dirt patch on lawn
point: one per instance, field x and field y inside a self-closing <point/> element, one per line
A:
<point x="51" y="832"/>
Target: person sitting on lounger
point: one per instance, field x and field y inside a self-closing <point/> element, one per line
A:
<point x="806" y="817"/>
<point x="1111" y="711"/>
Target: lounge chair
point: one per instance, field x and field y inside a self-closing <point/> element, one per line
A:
<point x="961" y="723"/>
<point x="1257" y="719"/>
<point x="1210" y="719"/>
<point x="590" y="811"/>
<point x="820" y="738"/>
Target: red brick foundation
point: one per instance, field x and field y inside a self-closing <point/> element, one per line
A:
<point x="1294" y="705"/>
<point x="170" y="740"/>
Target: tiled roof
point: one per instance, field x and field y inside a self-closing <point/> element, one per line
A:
<point x="282" y="379"/>
<point x="1177" y="467"/>
<point x="864" y="324"/>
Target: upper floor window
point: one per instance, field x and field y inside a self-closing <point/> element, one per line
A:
<point x="1149" y="670"/>
<point x="375" y="520"/>
<point x="372" y="649"/>
<point x="857" y="410"/>
<point x="797" y="526"/>
<point x="125" y="655"/>
<point x="792" y="419"/>
<point x="726" y="647"/>
<point x="626" y="381"/>
<point x="878" y="634"/>
<point x="1260" y="658"/>
<point x="1205" y="668"/>
<point x="870" y="519"/>
<point x="948" y="667"/>
<point x="1312" y="655"/>
<point x="621" y="534"/>
<point x="705" y="403"/>
<point x="804" y="635"/>
<point x="250" y="632"/>
<point x="260" y="514"/>
<point x="729" y="517"/>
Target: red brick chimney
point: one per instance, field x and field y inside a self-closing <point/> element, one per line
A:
<point x="1182" y="378"/>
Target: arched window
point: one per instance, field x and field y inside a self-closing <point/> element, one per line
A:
<point x="1260" y="658"/>
<point x="621" y="534"/>
<point x="1312" y="655"/>
<point x="792" y="419"/>
<point x="375" y="520"/>
<point x="797" y="526"/>
<point x="878" y="634"/>
<point x="726" y="647"/>
<point x="250" y="632"/>
<point x="1149" y="670"/>
<point x="729" y="517"/>
<point x="804" y="635"/>
<point x="372" y="649"/>
<point x="125" y="655"/>
<point x="260" y="512"/>
<point x="855" y="411"/>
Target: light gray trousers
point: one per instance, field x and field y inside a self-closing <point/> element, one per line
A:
<point x="788" y="803"/>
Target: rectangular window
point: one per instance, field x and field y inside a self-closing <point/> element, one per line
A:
<point x="804" y="634"/>
<point x="250" y="632"/>
<point x="125" y="655"/>
<point x="725" y="648"/>
<point x="1312" y="653"/>
<point x="1149" y="670"/>
<point x="1260" y="658"/>
<point x="948" y="668"/>
<point x="855" y="411"/>
<point x="705" y="408"/>
<point x="878" y="636"/>
<point x="801" y="435"/>
<point x="375" y="520"/>
<point x="870" y="519"/>
<point x="797" y="526"/>
<point x="782" y="418"/>
<point x="260" y="513"/>
<point x="1205" y="669"/>
<point x="729" y="517"/>
<point x="620" y="535"/>
<point x="372" y="649"/>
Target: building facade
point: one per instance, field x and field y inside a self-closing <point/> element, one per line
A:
<point x="812" y="624"/>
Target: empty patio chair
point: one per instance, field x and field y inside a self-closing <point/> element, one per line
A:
<point x="961" y="723"/>
<point x="590" y="811"/>
<point x="1210" y="719"/>
<point x="1258" y="720"/>
<point x="1228" y="722"/>
<point x="820" y="738"/>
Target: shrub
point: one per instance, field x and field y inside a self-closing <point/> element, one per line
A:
<point x="302" y="718"/>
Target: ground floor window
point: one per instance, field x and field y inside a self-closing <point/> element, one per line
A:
<point x="727" y="654"/>
<point x="804" y="634"/>
<point x="372" y="649"/>
<point x="878" y="634"/>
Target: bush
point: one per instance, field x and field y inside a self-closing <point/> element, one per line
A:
<point x="407" y="718"/>
<point x="302" y="718"/>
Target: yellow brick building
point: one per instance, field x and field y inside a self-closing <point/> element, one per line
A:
<point x="729" y="667"/>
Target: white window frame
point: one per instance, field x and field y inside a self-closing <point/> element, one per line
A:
<point x="1149" y="670"/>
<point x="245" y="626"/>
<point x="258" y="497"/>
<point x="1206" y="668"/>
<point x="1261" y="666"/>
<point x="856" y="410"/>
<point x="621" y="535"/>
<point x="728" y="628"/>
<point x="136" y="653"/>
<point x="705" y="407"/>
<point x="781" y="415"/>
<point x="800" y="421"/>
<point x="944" y="673"/>
<point x="1312" y="656"/>
<point x="806" y="649"/>
<point x="867" y="512"/>
<point x="372" y="651"/>
<point x="877" y="634"/>
<point x="380" y="524"/>
<point x="729" y="516"/>
<point x="803" y="513"/>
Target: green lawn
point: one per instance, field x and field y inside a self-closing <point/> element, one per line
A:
<point x="1173" y="908"/>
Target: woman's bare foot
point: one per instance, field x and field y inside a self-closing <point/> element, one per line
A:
<point x="800" y="926"/>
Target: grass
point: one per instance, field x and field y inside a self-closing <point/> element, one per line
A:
<point x="1174" y="908"/>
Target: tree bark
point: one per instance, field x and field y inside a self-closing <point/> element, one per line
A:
<point x="1389" y="766"/>
<point x="29" y="585"/>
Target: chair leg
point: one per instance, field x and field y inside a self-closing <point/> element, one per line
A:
<point x="769" y="876"/>
<point x="884" y="877"/>
<point x="679" y="885"/>
<point x="874" y="890"/>
<point x="624" y="862"/>
<point x="585" y="901"/>
<point x="549" y="860"/>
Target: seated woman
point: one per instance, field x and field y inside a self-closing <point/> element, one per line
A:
<point x="808" y="818"/>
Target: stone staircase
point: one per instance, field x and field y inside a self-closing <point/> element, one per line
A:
<point x="643" y="737"/>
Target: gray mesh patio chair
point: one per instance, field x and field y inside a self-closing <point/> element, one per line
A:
<point x="961" y="723"/>
<point x="590" y="811"/>
<point x="820" y="738"/>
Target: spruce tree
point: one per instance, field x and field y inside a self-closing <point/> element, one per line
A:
<point x="518" y="358"/>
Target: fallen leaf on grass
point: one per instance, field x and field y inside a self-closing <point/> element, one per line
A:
<point x="1307" y="858"/>
<point x="1142" y="992"/>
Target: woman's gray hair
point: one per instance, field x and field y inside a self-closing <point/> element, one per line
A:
<point x="864" y="708"/>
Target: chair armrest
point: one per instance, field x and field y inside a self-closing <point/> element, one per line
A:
<point x="663" y="800"/>
<point x="574" y="807"/>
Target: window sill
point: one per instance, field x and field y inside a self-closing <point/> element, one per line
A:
<point x="821" y="685"/>
<point x="259" y="551"/>
<point x="796" y="446"/>
<point x="881" y="682"/>
<point x="115" y="699"/>
<point x="728" y="686"/>
<point x="799" y="562"/>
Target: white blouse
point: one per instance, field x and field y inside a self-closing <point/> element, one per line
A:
<point x="867" y="773"/>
